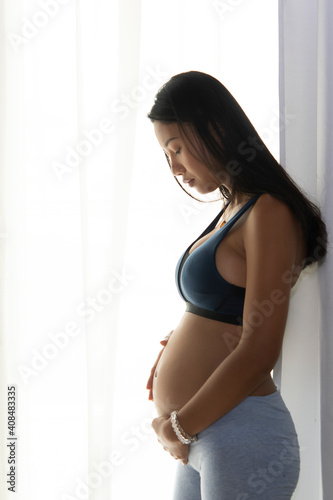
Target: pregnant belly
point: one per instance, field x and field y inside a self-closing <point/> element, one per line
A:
<point x="196" y="348"/>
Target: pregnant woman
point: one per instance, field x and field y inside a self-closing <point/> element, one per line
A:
<point x="219" y="411"/>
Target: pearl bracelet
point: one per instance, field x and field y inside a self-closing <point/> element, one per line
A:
<point x="180" y="433"/>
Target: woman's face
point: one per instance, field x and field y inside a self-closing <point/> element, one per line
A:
<point x="183" y="164"/>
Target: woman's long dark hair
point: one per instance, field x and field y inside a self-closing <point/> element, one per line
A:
<point x="200" y="103"/>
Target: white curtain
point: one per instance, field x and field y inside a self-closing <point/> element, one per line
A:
<point x="92" y="225"/>
<point x="306" y="80"/>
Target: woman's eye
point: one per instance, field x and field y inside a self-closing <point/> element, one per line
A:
<point x="167" y="158"/>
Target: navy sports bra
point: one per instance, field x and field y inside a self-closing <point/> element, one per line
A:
<point x="199" y="283"/>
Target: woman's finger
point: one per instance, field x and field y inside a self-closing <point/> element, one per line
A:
<point x="166" y="339"/>
<point x="150" y="382"/>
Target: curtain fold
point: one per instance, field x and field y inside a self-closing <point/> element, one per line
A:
<point x="300" y="354"/>
<point x="12" y="244"/>
<point x="306" y="151"/>
<point x="89" y="212"/>
<point x="325" y="194"/>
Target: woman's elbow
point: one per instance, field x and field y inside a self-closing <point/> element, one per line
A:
<point x="262" y="356"/>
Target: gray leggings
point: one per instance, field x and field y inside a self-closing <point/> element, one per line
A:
<point x="251" y="453"/>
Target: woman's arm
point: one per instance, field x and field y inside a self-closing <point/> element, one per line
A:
<point x="271" y="239"/>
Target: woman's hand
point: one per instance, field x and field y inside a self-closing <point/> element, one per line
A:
<point x="168" y="439"/>
<point x="149" y="385"/>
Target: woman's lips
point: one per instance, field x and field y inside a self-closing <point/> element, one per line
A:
<point x="190" y="182"/>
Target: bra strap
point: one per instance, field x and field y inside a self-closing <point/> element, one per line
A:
<point x="240" y="212"/>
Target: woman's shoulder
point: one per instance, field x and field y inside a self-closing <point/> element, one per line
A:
<point x="273" y="237"/>
<point x="271" y="219"/>
<point x="269" y="209"/>
<point x="267" y="201"/>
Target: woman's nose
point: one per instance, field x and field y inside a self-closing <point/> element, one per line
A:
<point x="176" y="167"/>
